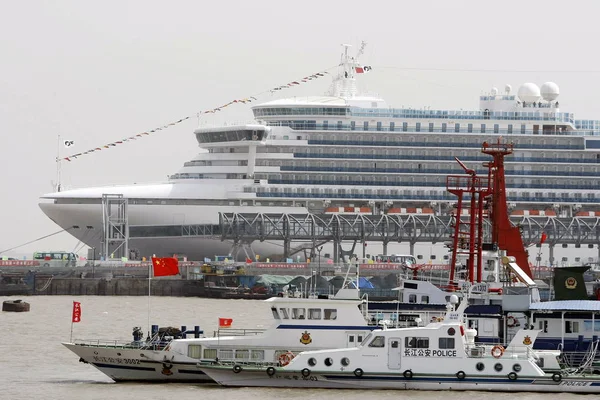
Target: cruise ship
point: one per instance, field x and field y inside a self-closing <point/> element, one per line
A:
<point x="345" y="152"/>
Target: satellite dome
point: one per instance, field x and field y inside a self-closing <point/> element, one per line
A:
<point x="549" y="91"/>
<point x="494" y="91"/>
<point x="529" y="92"/>
<point x="507" y="89"/>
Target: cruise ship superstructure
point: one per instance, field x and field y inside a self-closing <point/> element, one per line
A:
<point x="348" y="153"/>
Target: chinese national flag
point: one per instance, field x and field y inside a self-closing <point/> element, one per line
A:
<point x="165" y="266"/>
<point x="225" y="322"/>
<point x="76" y="312"/>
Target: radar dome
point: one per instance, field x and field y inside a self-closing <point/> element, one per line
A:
<point x="529" y="92"/>
<point x="494" y="91"/>
<point x="507" y="89"/>
<point x="549" y="91"/>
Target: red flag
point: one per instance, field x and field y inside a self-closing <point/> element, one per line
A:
<point x="225" y="322"/>
<point x="543" y="238"/>
<point x="76" y="312"/>
<point x="248" y="261"/>
<point x="165" y="266"/>
<point x="359" y="70"/>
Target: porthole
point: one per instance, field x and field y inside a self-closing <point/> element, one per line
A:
<point x="328" y="361"/>
<point x="480" y="366"/>
<point x="498" y="367"/>
<point x="517" y="367"/>
<point x="345" y="361"/>
<point x="312" y="362"/>
<point x="451" y="331"/>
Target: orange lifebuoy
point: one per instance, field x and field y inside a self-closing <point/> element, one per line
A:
<point x="497" y="351"/>
<point x="511" y="321"/>
<point x="286" y="358"/>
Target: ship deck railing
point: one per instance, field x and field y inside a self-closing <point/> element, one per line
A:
<point x="237" y="332"/>
<point x="122" y="344"/>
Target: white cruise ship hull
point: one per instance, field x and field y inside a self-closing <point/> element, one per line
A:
<point x="84" y="222"/>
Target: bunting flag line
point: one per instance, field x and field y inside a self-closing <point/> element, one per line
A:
<point x="244" y="100"/>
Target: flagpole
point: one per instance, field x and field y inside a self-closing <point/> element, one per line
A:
<point x="71" y="338"/>
<point x="58" y="165"/>
<point x="149" y="286"/>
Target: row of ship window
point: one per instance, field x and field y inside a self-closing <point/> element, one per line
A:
<point x="431" y="127"/>
<point x="327" y="189"/>
<point x="413" y="113"/>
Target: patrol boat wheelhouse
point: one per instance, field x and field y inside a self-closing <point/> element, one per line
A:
<point x="345" y="152"/>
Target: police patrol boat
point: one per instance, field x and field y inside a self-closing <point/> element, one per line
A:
<point x="299" y="324"/>
<point x="439" y="356"/>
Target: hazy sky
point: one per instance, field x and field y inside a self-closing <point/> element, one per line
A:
<point x="97" y="72"/>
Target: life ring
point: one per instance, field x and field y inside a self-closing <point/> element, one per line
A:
<point x="285" y="358"/>
<point x="556" y="377"/>
<point x="408" y="374"/>
<point x="461" y="375"/>
<point x="497" y="351"/>
<point x="511" y="322"/>
<point x="305" y="372"/>
<point x="270" y="371"/>
<point x="237" y="369"/>
<point x="512" y="376"/>
<point x="358" y="372"/>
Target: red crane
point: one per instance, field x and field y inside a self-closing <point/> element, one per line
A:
<point x="468" y="229"/>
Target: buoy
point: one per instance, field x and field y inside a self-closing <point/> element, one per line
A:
<point x="15" y="306"/>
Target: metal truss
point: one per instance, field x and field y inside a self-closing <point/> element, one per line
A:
<point x="393" y="228"/>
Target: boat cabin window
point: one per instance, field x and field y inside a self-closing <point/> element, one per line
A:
<point x="210" y="353"/>
<point x="379" y="341"/>
<point x="330" y="313"/>
<point x="411" y="342"/>
<point x="571" y="326"/>
<point x="424" y="299"/>
<point x="314" y="313"/>
<point x="194" y="351"/>
<point x="543" y="324"/>
<point x="284" y="313"/>
<point x="275" y="313"/>
<point x="298" y="313"/>
<point x="412" y="298"/>
<point x="446" y="343"/>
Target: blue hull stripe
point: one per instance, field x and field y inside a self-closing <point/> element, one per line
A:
<point x="430" y="379"/>
<point x="330" y="328"/>
<point x="123" y="367"/>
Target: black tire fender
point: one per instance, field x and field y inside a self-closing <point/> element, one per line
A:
<point x="305" y="372"/>
<point x="270" y="371"/>
<point x="237" y="369"/>
<point x="461" y="375"/>
<point x="408" y="374"/>
<point x="358" y="372"/>
<point x="512" y="376"/>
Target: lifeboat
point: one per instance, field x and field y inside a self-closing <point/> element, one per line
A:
<point x="348" y="210"/>
<point x="533" y="213"/>
<point x="593" y="214"/>
<point x="397" y="210"/>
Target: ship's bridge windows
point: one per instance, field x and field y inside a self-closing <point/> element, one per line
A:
<point x="378" y="341"/>
<point x="275" y="313"/>
<point x="411" y="342"/>
<point x="314" y="313"/>
<point x="571" y="326"/>
<point x="418" y="127"/>
<point x="470" y="128"/>
<point x="235" y="135"/>
<point x="431" y="127"/>
<point x="284" y="313"/>
<point x="405" y="127"/>
<point x="330" y="313"/>
<point x="366" y="125"/>
<point x="456" y="127"/>
<point x="446" y="343"/>
<point x="298" y="313"/>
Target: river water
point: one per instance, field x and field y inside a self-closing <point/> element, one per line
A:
<point x="34" y="364"/>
